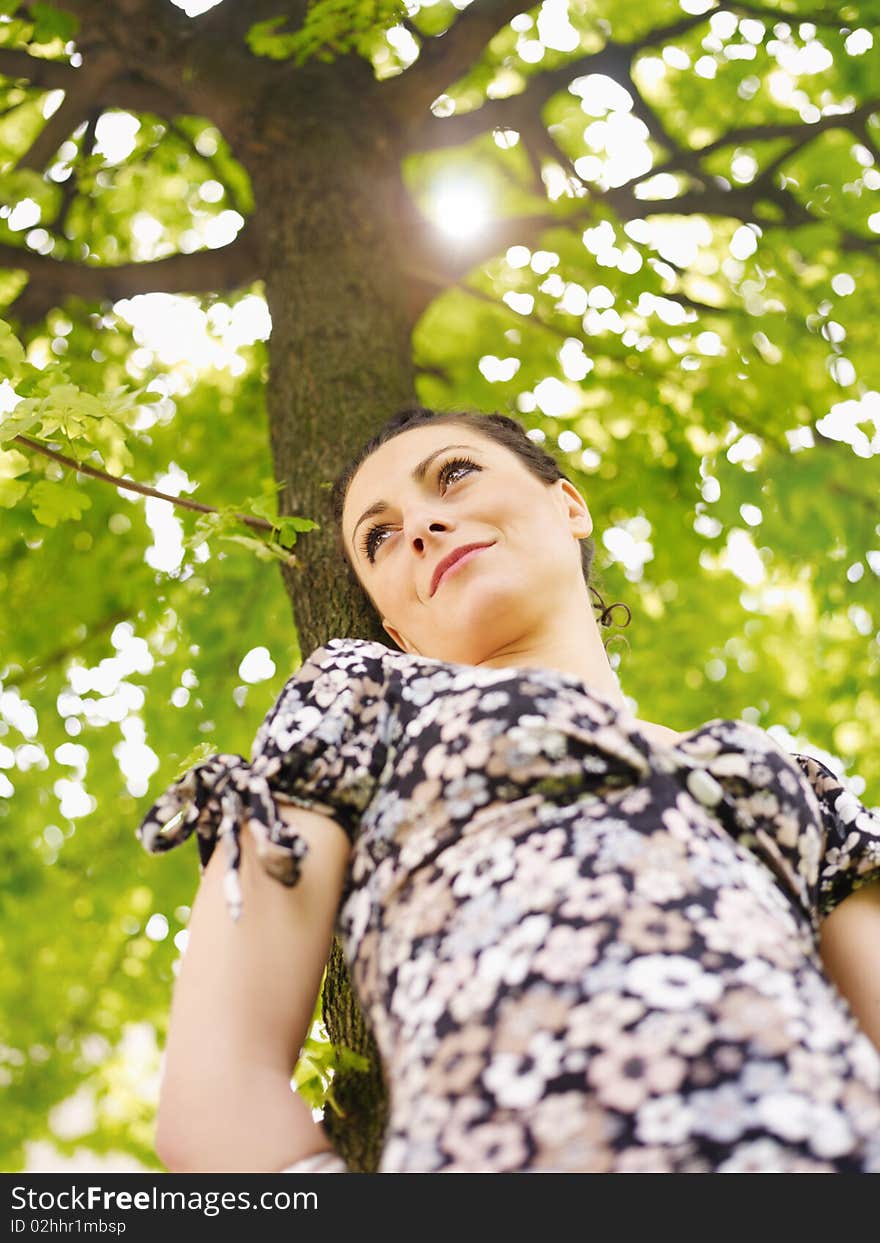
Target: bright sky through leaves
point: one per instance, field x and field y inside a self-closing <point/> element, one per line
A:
<point x="195" y="8"/>
<point x="461" y="208"/>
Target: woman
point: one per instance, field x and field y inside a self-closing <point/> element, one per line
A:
<point x="585" y="942"/>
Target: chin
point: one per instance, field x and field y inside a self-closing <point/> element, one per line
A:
<point x="476" y="607"/>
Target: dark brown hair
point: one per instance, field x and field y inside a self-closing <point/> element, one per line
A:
<point x="504" y="431"/>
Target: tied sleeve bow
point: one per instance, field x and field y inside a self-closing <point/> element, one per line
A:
<point x="215" y="797"/>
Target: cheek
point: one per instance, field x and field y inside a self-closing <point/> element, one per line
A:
<point x="544" y="543"/>
<point x="392" y="588"/>
<point x="528" y="522"/>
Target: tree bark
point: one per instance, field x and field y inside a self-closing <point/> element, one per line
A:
<point x="328" y="192"/>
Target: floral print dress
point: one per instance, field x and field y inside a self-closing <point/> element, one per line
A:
<point x="579" y="950"/>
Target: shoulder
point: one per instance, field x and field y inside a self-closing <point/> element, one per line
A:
<point x="350" y="654"/>
<point x="328" y="696"/>
<point x="661" y="734"/>
<point x="340" y="664"/>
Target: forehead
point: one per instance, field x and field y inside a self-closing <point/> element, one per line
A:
<point x="380" y="475"/>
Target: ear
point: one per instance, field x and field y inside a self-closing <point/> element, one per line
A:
<point x="575" y="509"/>
<point x="396" y="637"/>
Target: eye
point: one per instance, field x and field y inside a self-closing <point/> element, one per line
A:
<point x="454" y="465"/>
<point x="447" y="470"/>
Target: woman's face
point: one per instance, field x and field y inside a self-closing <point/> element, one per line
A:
<point x="445" y="486"/>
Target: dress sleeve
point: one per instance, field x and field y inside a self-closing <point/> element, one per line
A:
<point x="318" y="747"/>
<point x="850" y="850"/>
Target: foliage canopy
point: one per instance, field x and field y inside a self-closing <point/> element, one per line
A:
<point x="648" y="230"/>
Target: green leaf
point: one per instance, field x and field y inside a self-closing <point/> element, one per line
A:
<point x="263" y="39"/>
<point x="24" y="183"/>
<point x="331" y="28"/>
<point x="710" y="496"/>
<point x="13" y="463"/>
<point x="51" y="23"/>
<point x="22" y="418"/>
<point x="202" y="751"/>
<point x="264" y="507"/>
<point x="349" y="1060"/>
<point x="58" y="502"/>
<point x="206" y="525"/>
<point x="11" y="349"/>
<point x="298" y="524"/>
<point x="11" y="492"/>
<point x="264" y="550"/>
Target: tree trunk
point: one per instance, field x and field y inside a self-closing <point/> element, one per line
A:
<point x="327" y="187"/>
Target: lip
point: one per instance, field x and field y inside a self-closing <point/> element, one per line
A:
<point x="456" y="555"/>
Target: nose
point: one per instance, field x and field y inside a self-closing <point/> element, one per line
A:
<point x="422" y="533"/>
<point x="419" y="527"/>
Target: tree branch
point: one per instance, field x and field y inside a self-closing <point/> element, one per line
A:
<point x="52" y="280"/>
<point x="648" y="116"/>
<point x="206" y="61"/>
<point x="801" y="132"/>
<point x="168" y="63"/>
<point x="516" y="111"/>
<point x="614" y="59"/>
<point x="445" y="58"/>
<point x="60" y="655"/>
<point x="737" y="204"/>
<point x="70" y="187"/>
<point x="85" y="10"/>
<point x="429" y="261"/>
<point x="867" y="140"/>
<point x="79" y="98"/>
<point x="128" y="485"/>
<point x="126" y="90"/>
<point x="433" y="132"/>
<point x="850" y="242"/>
<point x="233" y="21"/>
<point x="135" y="94"/>
<point x="682" y="26"/>
<point x="822" y="17"/>
<point x="552" y="329"/>
<point x="48" y="75"/>
<point x="767" y="133"/>
<point x="704" y="308"/>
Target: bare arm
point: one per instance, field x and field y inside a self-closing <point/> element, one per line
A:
<point x="243" y="1001"/>
<point x="850" y="949"/>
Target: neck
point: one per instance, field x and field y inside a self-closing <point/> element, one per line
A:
<point x="572" y="643"/>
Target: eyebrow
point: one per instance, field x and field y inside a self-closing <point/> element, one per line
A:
<point x="418" y="474"/>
